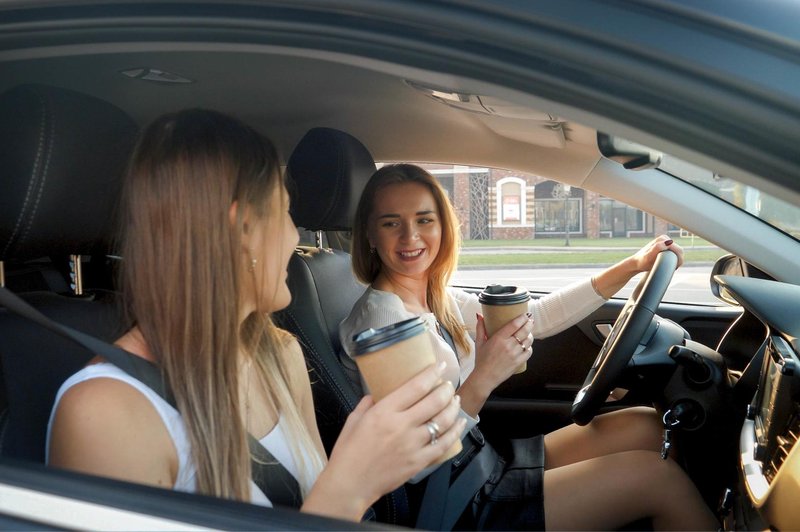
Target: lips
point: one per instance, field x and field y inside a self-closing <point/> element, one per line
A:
<point x="411" y="254"/>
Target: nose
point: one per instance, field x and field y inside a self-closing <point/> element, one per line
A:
<point x="409" y="232"/>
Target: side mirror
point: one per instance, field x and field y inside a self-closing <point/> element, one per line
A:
<point x="733" y="265"/>
<point x="629" y="154"/>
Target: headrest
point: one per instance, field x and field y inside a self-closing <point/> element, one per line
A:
<point x="327" y="172"/>
<point x="62" y="157"/>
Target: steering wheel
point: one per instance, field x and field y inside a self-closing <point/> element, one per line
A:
<point x="625" y="336"/>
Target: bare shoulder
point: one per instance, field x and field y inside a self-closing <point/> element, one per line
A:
<point x="106" y="427"/>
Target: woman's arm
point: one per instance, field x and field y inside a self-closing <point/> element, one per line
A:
<point x="383" y="445"/>
<point x="105" y="427"/>
<point x="611" y="280"/>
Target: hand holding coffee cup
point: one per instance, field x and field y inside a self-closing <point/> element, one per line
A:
<point x="390" y="356"/>
<point x="500" y="304"/>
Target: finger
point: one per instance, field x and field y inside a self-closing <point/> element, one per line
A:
<point x="433" y="403"/>
<point x="363" y="405"/>
<point x="480" y="330"/>
<point x="415" y="389"/>
<point x="433" y="453"/>
<point x="513" y="326"/>
<point x="523" y="332"/>
<point x="527" y="343"/>
<point x="358" y="412"/>
<point x="443" y="420"/>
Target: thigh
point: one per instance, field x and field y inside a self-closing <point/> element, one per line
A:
<point x="611" y="491"/>
<point x="635" y="428"/>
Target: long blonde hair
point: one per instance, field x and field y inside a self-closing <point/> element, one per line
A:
<point x="180" y="278"/>
<point x="367" y="265"/>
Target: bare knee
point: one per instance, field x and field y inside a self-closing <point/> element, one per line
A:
<point x="640" y="427"/>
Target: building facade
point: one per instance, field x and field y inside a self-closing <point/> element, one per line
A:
<point x="504" y="204"/>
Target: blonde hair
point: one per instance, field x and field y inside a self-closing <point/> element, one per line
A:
<point x="367" y="265"/>
<point x="180" y="278"/>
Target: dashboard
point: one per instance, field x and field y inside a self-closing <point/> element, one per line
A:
<point x="768" y="495"/>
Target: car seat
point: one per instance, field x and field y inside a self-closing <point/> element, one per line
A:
<point x="63" y="155"/>
<point x="326" y="173"/>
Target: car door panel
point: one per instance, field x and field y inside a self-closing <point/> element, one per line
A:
<point x="543" y="394"/>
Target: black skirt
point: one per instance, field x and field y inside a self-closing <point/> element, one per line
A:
<point x="513" y="497"/>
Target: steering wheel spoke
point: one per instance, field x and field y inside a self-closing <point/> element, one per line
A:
<point x="624" y="338"/>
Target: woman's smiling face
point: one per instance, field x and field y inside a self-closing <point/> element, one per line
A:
<point x="405" y="229"/>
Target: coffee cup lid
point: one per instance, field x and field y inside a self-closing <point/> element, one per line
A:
<point x="376" y="339"/>
<point x="498" y="294"/>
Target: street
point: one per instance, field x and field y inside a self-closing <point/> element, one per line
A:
<point x="690" y="284"/>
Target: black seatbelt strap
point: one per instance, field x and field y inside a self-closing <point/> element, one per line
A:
<point x="277" y="483"/>
<point x="443" y="503"/>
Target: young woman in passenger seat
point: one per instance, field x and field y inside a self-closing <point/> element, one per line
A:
<point x="207" y="240"/>
<point x="601" y="476"/>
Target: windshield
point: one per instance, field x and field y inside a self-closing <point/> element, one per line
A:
<point x="774" y="211"/>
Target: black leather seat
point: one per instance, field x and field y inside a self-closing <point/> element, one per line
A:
<point x="63" y="155"/>
<point x="327" y="172"/>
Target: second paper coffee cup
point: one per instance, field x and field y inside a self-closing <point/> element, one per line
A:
<point x="388" y="357"/>
<point x="501" y="304"/>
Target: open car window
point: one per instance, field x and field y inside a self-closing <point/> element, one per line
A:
<point x="513" y="230"/>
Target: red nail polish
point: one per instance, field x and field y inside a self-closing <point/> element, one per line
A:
<point x="668" y="242"/>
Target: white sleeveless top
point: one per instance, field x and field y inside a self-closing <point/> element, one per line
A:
<point x="275" y="441"/>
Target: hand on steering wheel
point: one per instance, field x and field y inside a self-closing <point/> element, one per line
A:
<point x="625" y="336"/>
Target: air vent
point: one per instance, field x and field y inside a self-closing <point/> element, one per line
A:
<point x="785" y="443"/>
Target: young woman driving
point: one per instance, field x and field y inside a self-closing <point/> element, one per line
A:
<point x="405" y="245"/>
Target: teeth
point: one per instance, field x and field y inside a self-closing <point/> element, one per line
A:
<point x="409" y="254"/>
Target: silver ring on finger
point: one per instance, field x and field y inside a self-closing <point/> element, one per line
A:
<point x="433" y="430"/>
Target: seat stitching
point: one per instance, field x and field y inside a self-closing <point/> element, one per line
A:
<point x="32" y="178"/>
<point x="319" y="359"/>
<point x="51" y="133"/>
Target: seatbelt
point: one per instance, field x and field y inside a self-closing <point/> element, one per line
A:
<point x="443" y="503"/>
<point x="272" y="478"/>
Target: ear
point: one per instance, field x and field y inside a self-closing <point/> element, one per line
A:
<point x="233" y="214"/>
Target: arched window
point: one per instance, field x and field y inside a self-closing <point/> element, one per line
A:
<point x="511" y="202"/>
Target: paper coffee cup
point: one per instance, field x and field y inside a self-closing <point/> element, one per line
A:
<point x="390" y="356"/>
<point x="501" y="304"/>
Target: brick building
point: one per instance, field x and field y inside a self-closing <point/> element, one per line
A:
<point x="504" y="204"/>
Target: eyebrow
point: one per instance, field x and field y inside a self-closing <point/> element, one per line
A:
<point x="391" y="215"/>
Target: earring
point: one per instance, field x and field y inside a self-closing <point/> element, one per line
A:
<point x="253" y="262"/>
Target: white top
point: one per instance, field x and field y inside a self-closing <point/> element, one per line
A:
<point x="552" y="314"/>
<point x="275" y="441"/>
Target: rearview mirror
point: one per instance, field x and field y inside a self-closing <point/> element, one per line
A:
<point x="629" y="154"/>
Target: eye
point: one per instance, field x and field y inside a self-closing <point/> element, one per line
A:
<point x="426" y="221"/>
<point x="390" y="224"/>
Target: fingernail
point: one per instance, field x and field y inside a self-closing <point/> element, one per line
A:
<point x="668" y="242"/>
<point x="478" y="317"/>
<point x="457" y="399"/>
<point x="440" y="367"/>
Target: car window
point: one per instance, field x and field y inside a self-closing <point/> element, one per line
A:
<point x="513" y="230"/>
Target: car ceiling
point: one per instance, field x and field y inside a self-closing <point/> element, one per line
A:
<point x="285" y="95"/>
